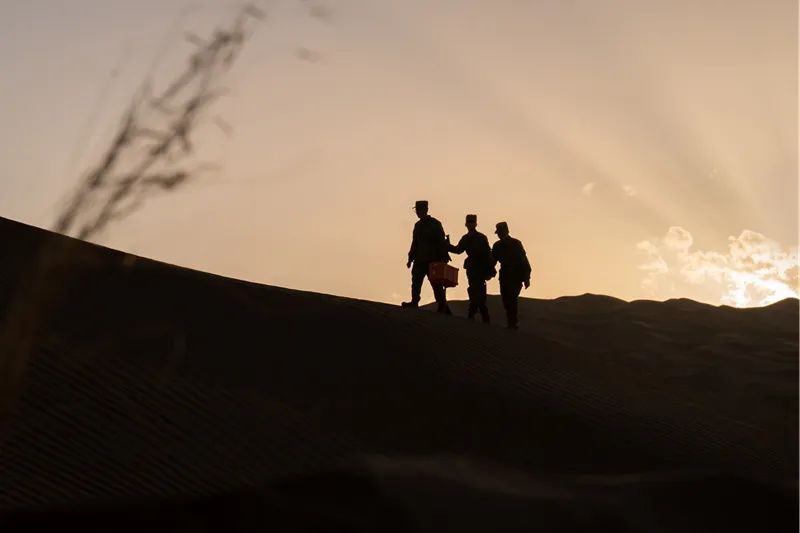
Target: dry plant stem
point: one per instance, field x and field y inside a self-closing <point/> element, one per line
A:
<point x="111" y="191"/>
<point x="155" y="131"/>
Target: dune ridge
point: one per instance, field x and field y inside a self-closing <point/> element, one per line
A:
<point x="152" y="386"/>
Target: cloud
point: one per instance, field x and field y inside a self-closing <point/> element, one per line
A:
<point x="588" y="188"/>
<point x="629" y="191"/>
<point x="755" y="270"/>
<point x="678" y="239"/>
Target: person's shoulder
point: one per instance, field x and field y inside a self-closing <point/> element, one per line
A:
<point x="433" y="223"/>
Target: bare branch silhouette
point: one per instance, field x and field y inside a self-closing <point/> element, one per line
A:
<point x="156" y="132"/>
<point x="148" y="155"/>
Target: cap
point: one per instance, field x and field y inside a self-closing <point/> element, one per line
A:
<point x="421" y="204"/>
<point x="472" y="219"/>
<point x="501" y="226"/>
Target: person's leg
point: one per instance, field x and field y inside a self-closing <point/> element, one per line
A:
<point x="504" y="296"/>
<point x="418" y="273"/>
<point x="440" y="295"/>
<point x="509" y="290"/>
<point x="473" y="307"/>
<point x="513" y="304"/>
<point x="482" y="301"/>
<point x="473" y="289"/>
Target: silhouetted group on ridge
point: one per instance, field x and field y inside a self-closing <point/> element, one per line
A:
<point x="430" y="245"/>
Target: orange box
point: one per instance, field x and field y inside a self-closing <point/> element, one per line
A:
<point x="441" y="273"/>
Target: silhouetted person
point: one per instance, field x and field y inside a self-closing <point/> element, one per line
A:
<point x="427" y="245"/>
<point x="478" y="265"/>
<point x="515" y="270"/>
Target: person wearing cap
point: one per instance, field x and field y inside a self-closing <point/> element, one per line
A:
<point x="515" y="270"/>
<point x="478" y="265"/>
<point x="428" y="244"/>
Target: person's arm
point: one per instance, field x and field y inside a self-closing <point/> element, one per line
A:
<point x="442" y="241"/>
<point x="494" y="252"/>
<point x="486" y="248"/>
<point x="526" y="266"/>
<point x="412" y="251"/>
<point x="491" y="262"/>
<point x="459" y="248"/>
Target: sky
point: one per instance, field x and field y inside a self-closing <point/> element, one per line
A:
<point x="638" y="148"/>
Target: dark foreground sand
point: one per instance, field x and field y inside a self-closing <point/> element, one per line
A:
<point x="159" y="398"/>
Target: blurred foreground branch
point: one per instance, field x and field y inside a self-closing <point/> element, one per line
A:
<point x="148" y="154"/>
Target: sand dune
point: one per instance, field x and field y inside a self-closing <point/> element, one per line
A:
<point x="159" y="397"/>
<point x="740" y="362"/>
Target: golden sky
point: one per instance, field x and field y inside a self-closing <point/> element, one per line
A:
<point x="638" y="148"/>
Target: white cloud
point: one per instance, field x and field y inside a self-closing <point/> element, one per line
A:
<point x="588" y="188"/>
<point x="756" y="270"/>
<point x="629" y="191"/>
<point x="678" y="238"/>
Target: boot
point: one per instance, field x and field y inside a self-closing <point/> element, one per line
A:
<point x="412" y="303"/>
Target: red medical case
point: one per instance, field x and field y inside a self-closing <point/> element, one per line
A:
<point x="441" y="273"/>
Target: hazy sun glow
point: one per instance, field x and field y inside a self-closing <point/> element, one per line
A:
<point x="754" y="271"/>
<point x="589" y="126"/>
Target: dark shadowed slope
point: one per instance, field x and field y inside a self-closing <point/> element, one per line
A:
<point x="740" y="362"/>
<point x="160" y="397"/>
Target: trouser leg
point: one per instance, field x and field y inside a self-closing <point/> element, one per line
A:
<point x="473" y="303"/>
<point x="477" y="296"/>
<point x="418" y="273"/>
<point x="509" y="290"/>
<point x="440" y="294"/>
<point x="482" y="307"/>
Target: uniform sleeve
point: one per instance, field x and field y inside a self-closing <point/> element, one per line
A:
<point x="494" y="254"/>
<point x="485" y="245"/>
<point x="524" y="263"/>
<point x="439" y="231"/>
<point x="460" y="247"/>
<point x="412" y="252"/>
<point x="441" y="241"/>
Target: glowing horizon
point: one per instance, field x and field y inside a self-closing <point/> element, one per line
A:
<point x="638" y="149"/>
